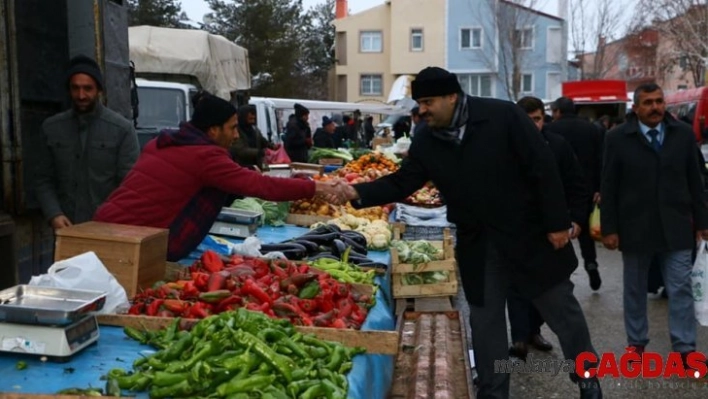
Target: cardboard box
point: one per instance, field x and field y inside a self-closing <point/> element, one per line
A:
<point x="135" y="255"/>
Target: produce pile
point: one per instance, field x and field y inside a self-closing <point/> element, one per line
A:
<point x="417" y="253"/>
<point x="428" y="196"/>
<point x="280" y="289"/>
<point x="319" y="207"/>
<point x="367" y="168"/>
<point x="322" y="153"/>
<point x="328" y="241"/>
<point x="377" y="233"/>
<point x="236" y="355"/>
<point x="274" y="213"/>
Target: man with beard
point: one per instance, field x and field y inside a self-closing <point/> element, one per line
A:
<point x="85" y="152"/>
<point x="249" y="149"/>
<point x="504" y="194"/>
<point x="652" y="207"/>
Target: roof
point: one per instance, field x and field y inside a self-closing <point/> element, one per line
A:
<point x="529" y="9"/>
<point x="221" y="66"/>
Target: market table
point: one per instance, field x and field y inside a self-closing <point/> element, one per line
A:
<point x="371" y="375"/>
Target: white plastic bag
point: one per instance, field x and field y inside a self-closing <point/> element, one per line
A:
<point x="85" y="272"/>
<point x="699" y="282"/>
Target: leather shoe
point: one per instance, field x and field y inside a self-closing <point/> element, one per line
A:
<point x="590" y="389"/>
<point x="519" y="350"/>
<point x="593" y="275"/>
<point x="540" y="343"/>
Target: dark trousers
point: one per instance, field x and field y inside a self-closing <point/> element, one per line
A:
<point x="587" y="244"/>
<point x="524" y="318"/>
<point x="558" y="307"/>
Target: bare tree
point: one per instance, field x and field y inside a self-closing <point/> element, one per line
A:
<point x="595" y="24"/>
<point x="683" y="24"/>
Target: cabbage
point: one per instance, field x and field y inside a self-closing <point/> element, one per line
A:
<point x="274" y="213"/>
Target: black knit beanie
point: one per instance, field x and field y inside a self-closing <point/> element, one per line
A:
<point x="434" y="82"/>
<point x="211" y="111"/>
<point x="300" y="110"/>
<point x="87" y="65"/>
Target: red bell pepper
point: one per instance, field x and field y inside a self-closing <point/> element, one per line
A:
<point x="217" y="281"/>
<point x="308" y="305"/>
<point x="190" y="290"/>
<point x="175" y="306"/>
<point x="201" y="280"/>
<point x="154" y="307"/>
<point x="137" y="308"/>
<point x="251" y="288"/>
<point x="338" y="323"/>
<point x="198" y="310"/>
<point x="345" y="307"/>
<point x="274" y="290"/>
<point x="235" y="260"/>
<point x="211" y="261"/>
<point x="324" y="319"/>
<point x="303" y="268"/>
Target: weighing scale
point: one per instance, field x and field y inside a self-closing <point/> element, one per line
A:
<point x="47" y="321"/>
<point x="236" y="223"/>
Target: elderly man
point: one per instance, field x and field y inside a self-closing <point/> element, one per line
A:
<point x="85" y="152"/>
<point x="504" y="193"/>
<point x="182" y="180"/>
<point x="652" y="203"/>
<point x="324" y="136"/>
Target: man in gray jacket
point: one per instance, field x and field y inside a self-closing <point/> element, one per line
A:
<point x="85" y="152"/>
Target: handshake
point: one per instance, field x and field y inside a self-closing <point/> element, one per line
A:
<point x="336" y="192"/>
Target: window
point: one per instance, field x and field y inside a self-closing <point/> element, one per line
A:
<point x="416" y="39"/>
<point x="476" y="85"/>
<point x="470" y="38"/>
<point x="524" y="38"/>
<point x="371" y="42"/>
<point x="371" y="85"/>
<point x="554" y="49"/>
<point x="527" y="83"/>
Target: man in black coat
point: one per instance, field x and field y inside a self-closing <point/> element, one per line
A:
<point x="250" y="148"/>
<point x="586" y="140"/>
<point x="652" y="206"/>
<point x="323" y="136"/>
<point x="504" y="193"/>
<point x="524" y="318"/>
<point x="298" y="135"/>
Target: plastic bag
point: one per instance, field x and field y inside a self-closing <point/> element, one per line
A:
<point x="595" y="230"/>
<point x="85" y="272"/>
<point x="278" y="156"/>
<point x="699" y="283"/>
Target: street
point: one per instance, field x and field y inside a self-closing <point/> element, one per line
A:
<point x="603" y="311"/>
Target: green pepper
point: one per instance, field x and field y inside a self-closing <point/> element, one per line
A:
<point x="177" y="348"/>
<point x="21" y="365"/>
<point x="314" y="391"/>
<point x="237" y="384"/>
<point x="135" y="334"/>
<point x="337" y="358"/>
<point x="333" y="391"/>
<point x="296" y="387"/>
<point x="139" y="362"/>
<point x="171" y="331"/>
<point x="317" y="353"/>
<point x="264" y="351"/>
<point x="274" y="393"/>
<point x="209" y="349"/>
<point x="240" y="395"/>
<point x="345" y="367"/>
<point x="157" y="364"/>
<point x="311" y="340"/>
<point x="246" y="360"/>
<point x="276" y="335"/>
<point x="112" y="387"/>
<point x="184" y="388"/>
<point x="165" y="379"/>
<point x="129" y="381"/>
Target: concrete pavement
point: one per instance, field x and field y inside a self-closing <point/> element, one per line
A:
<point x="603" y="311"/>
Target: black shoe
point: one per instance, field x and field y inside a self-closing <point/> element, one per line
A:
<point x="519" y="350"/>
<point x="664" y="293"/>
<point x="590" y="389"/>
<point x="540" y="343"/>
<point x="593" y="275"/>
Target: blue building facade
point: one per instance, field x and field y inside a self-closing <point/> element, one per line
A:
<point x="503" y="50"/>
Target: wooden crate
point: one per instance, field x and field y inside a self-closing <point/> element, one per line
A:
<point x="305" y="220"/>
<point x="308" y="168"/>
<point x="383" y="141"/>
<point x="447" y="264"/>
<point x="383" y="342"/>
<point x="135" y="255"/>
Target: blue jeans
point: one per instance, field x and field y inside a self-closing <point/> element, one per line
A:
<point x="676" y="269"/>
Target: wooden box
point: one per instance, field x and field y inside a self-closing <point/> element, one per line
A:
<point x="306" y="220"/>
<point x="447" y="264"/>
<point x="331" y="161"/>
<point x="135" y="255"/>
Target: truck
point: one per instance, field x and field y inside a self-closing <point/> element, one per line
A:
<point x="39" y="38"/>
<point x="595" y="98"/>
<point x="171" y="65"/>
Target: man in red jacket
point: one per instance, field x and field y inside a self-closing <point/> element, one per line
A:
<point x="183" y="179"/>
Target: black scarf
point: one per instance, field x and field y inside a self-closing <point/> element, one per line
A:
<point x="454" y="132"/>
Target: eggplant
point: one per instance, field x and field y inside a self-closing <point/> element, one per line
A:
<point x="338" y="247"/>
<point x="319" y="239"/>
<point x="325" y="229"/>
<point x="357" y="259"/>
<point x="355" y="236"/>
<point x="293" y="254"/>
<point x="354" y="244"/>
<point x="311" y="247"/>
<point x="282" y="247"/>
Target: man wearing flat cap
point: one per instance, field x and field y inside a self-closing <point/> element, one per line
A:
<point x="85" y="152"/>
<point x="504" y="193"/>
<point x="183" y="179"/>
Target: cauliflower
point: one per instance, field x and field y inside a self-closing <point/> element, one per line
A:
<point x="379" y="241"/>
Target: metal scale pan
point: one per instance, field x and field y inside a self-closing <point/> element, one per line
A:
<point x="25" y="304"/>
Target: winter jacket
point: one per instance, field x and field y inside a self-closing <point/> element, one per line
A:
<point x="323" y="139"/>
<point x="181" y="181"/>
<point x="298" y="140"/>
<point x="81" y="159"/>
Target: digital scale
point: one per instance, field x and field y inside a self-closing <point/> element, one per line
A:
<point x="236" y="223"/>
<point x="47" y="321"/>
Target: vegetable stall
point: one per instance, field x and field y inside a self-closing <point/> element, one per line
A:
<point x="312" y="315"/>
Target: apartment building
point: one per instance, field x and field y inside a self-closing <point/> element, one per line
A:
<point x="497" y="48"/>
